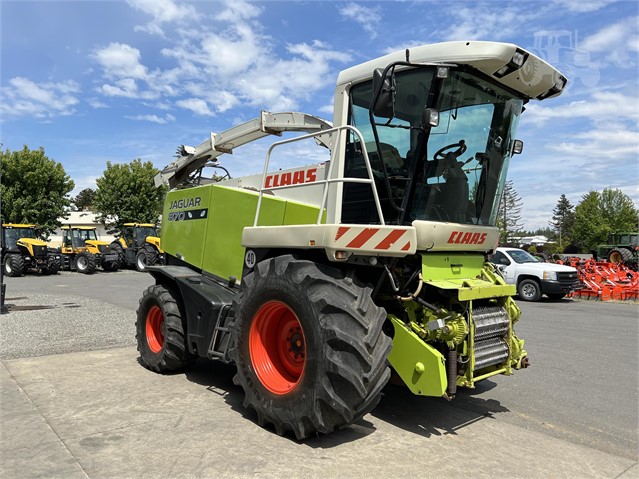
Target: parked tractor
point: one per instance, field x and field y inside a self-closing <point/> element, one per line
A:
<point x="138" y="245"/>
<point x="317" y="281"/>
<point x="621" y="248"/>
<point x="22" y="251"/>
<point x="83" y="252"/>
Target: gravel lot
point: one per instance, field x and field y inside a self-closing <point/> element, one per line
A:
<point x="70" y="312"/>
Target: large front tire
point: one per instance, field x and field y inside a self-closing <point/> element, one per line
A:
<point x="309" y="347"/>
<point x="85" y="263"/>
<point x="14" y="265"/>
<point x="145" y="257"/>
<point x="161" y="332"/>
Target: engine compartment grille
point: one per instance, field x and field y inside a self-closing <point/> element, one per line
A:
<point x="492" y="325"/>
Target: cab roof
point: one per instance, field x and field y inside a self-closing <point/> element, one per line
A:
<point x="140" y="224"/>
<point x="17" y="225"/>
<point x="533" y="79"/>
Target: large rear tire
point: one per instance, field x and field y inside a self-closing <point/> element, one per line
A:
<point x="55" y="265"/>
<point x="620" y="255"/>
<point x="14" y="265"/>
<point x="309" y="347"/>
<point x="161" y="332"/>
<point x="85" y="263"/>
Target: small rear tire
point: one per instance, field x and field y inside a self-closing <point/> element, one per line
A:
<point x="529" y="290"/>
<point x="55" y="266"/>
<point x="117" y="247"/>
<point x="161" y="332"/>
<point x="110" y="266"/>
<point x="14" y="265"/>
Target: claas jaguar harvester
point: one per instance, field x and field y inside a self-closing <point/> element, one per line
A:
<point x="317" y="282"/>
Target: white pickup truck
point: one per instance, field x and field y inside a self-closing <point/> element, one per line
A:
<point x="534" y="277"/>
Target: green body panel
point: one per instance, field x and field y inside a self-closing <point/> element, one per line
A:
<point x="212" y="241"/>
<point x="180" y="237"/>
<point x="420" y="366"/>
<point x="464" y="273"/>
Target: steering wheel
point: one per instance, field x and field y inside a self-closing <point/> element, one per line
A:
<point x="460" y="149"/>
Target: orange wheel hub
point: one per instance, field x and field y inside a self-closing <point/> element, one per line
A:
<point x="155" y="329"/>
<point x="277" y="347"/>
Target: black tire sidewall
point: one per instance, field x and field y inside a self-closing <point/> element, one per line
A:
<point x="533" y="283"/>
<point x="151" y="358"/>
<point x="141" y="254"/>
<point x="291" y="294"/>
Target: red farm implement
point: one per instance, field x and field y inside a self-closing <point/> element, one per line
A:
<point x="605" y="281"/>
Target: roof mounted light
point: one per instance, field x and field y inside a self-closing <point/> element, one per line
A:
<point x="516" y="62"/>
<point x="442" y="72"/>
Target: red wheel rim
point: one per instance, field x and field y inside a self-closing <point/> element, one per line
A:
<point x="277" y="347"/>
<point x="155" y="329"/>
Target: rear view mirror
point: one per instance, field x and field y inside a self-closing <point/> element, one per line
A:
<point x="518" y="147"/>
<point x="383" y="94"/>
<point x="504" y="261"/>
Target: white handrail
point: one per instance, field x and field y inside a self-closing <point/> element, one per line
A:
<point x="338" y="129"/>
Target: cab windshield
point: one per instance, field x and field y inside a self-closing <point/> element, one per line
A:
<point x="142" y="232"/>
<point x="520" y="256"/>
<point x="12" y="235"/>
<point x="462" y="176"/>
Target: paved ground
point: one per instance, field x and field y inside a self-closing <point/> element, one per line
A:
<point x="87" y="411"/>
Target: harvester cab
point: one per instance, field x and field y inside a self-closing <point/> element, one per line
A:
<point x="314" y="279"/>
<point x="138" y="245"/>
<point x="83" y="252"/>
<point x="23" y="250"/>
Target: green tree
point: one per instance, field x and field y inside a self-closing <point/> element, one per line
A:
<point x="35" y="189"/>
<point x="126" y="193"/>
<point x="509" y="215"/>
<point x="84" y="199"/>
<point x="599" y="214"/>
<point x="563" y="220"/>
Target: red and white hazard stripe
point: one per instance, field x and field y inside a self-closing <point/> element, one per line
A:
<point x="377" y="239"/>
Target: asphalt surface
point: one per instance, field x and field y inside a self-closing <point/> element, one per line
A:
<point x="581" y="390"/>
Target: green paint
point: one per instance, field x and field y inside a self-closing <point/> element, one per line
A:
<point x="214" y="243"/>
<point x="465" y="273"/>
<point x="420" y="366"/>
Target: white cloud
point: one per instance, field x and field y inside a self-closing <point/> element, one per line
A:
<point x="486" y="20"/>
<point x="163" y="12"/>
<point x="367" y="17"/>
<point x="238" y="10"/>
<point x="120" y="60"/>
<point x="602" y="106"/>
<point x="196" y="105"/>
<point x="153" y="118"/>
<point x="95" y="103"/>
<point x="24" y="97"/>
<point x="581" y="6"/>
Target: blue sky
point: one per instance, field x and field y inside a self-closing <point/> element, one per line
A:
<point x="98" y="81"/>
